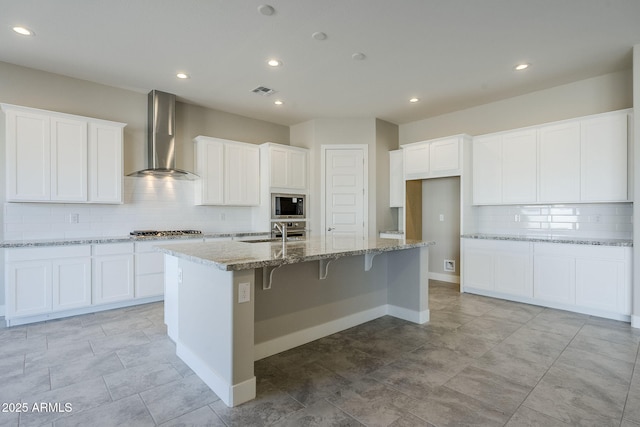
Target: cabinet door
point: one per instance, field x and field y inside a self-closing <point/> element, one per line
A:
<point x="554" y="278"/>
<point x="416" y="161"/>
<point x="396" y="179"/>
<point x="210" y="167"/>
<point x="112" y="278"/>
<point x="297" y="170"/>
<point x="514" y="269"/>
<point x="519" y="166"/>
<point x="478" y="265"/>
<point x="559" y="163"/>
<point x="28" y="149"/>
<point x="487" y="170"/>
<point x="71" y="283"/>
<point x="242" y="175"/>
<point x="603" y="175"/>
<point x="444" y="158"/>
<point x="68" y="160"/>
<point x="279" y="165"/>
<point x="105" y="163"/>
<point x="28" y="288"/>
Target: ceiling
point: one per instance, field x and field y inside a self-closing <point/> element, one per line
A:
<point x="451" y="54"/>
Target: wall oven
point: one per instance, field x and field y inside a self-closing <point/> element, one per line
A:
<point x="287" y="206"/>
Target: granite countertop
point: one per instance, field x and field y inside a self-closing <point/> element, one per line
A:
<point x="236" y="255"/>
<point x="119" y="239"/>
<point x="552" y="239"/>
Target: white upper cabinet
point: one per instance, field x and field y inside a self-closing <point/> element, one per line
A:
<point x="603" y="172"/>
<point x="56" y="157"/>
<point x="396" y="179"/>
<point x="229" y="172"/>
<point x="105" y="163"/>
<point x="519" y="166"/>
<point x="559" y="162"/>
<point x="504" y="168"/>
<point x="433" y="159"/>
<point x="487" y="170"/>
<point x="416" y="160"/>
<point x="444" y="157"/>
<point x="287" y="166"/>
<point x="573" y="161"/>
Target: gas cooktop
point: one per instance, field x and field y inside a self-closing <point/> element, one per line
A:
<point x="160" y="233"/>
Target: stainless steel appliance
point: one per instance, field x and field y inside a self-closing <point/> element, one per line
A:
<point x="295" y="230"/>
<point x="162" y="233"/>
<point x="161" y="138"/>
<point x="287" y="206"/>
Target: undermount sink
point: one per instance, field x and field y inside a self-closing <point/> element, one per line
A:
<point x="275" y="239"/>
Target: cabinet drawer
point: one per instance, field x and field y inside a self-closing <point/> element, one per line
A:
<point x="149" y="262"/>
<point x="47" y="252"/>
<point x="113" y="249"/>
<point x="580" y="251"/>
<point x="149" y="246"/>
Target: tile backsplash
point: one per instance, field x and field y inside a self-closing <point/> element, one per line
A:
<point x="600" y="220"/>
<point x="150" y="203"/>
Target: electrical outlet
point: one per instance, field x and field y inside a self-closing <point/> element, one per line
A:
<point x="222" y="217"/>
<point x="449" y="265"/>
<point x="244" y="292"/>
<point x="179" y="275"/>
<point x="441" y="217"/>
<point x="74" y="218"/>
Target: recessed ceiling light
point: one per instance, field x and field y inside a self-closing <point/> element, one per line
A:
<point x="182" y="76"/>
<point x="266" y="10"/>
<point x="521" y="67"/>
<point x="358" y="56"/>
<point x="414" y="100"/>
<point x="278" y="102"/>
<point x="274" y="63"/>
<point x="319" y="35"/>
<point x="23" y="31"/>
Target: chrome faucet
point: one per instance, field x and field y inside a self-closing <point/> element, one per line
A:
<point x="282" y="228"/>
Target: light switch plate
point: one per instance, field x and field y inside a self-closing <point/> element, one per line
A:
<point x="244" y="292"/>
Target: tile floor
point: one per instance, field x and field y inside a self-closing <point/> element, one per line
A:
<point x="480" y="361"/>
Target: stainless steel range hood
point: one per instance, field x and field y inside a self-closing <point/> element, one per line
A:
<point x="161" y="145"/>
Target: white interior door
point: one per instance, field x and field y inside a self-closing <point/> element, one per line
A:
<point x="345" y="194"/>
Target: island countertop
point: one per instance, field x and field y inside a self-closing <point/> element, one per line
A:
<point x="238" y="255"/>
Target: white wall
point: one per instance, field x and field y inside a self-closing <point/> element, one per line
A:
<point x="591" y="96"/>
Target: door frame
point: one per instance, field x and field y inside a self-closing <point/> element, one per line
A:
<point x="365" y="170"/>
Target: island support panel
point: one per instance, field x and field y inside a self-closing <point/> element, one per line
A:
<point x="219" y="337"/>
<point x="215" y="332"/>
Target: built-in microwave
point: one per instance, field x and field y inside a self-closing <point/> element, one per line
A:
<point x="287" y="206"/>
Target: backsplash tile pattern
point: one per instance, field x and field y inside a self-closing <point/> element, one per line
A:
<point x="603" y="220"/>
<point x="150" y="203"/>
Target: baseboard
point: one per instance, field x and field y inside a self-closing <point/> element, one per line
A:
<point x="304" y="336"/>
<point x="15" y="321"/>
<point x="419" y="317"/>
<point x="635" y="321"/>
<point x="231" y="395"/>
<point x="2" y="310"/>
<point x="450" y="278"/>
<point x="551" y="304"/>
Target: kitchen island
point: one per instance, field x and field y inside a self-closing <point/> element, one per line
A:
<point x="228" y="304"/>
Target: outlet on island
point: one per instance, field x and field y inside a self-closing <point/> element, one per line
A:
<point x="244" y="292"/>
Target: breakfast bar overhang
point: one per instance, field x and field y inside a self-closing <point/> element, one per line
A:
<point x="230" y="303"/>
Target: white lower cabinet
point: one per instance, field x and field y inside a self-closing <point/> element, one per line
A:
<point x="43" y="280"/>
<point x="112" y="273"/>
<point x="583" y="278"/>
<point x="150" y="268"/>
<point x="503" y="267"/>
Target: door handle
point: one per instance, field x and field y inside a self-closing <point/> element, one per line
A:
<point x="330" y="229"/>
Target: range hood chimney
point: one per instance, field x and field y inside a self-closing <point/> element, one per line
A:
<point x="161" y="144"/>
